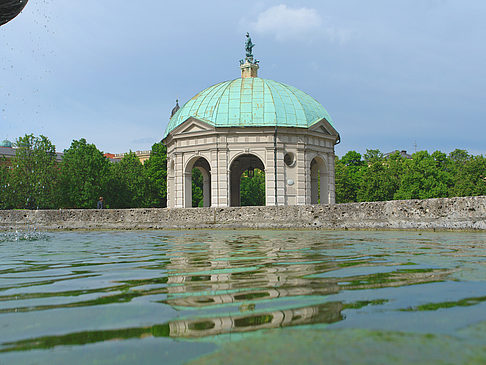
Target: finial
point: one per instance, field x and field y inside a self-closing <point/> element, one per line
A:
<point x="249" y="50"/>
<point x="175" y="109"/>
<point x="249" y="66"/>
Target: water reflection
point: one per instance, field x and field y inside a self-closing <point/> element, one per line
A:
<point x="261" y="270"/>
<point x="202" y="284"/>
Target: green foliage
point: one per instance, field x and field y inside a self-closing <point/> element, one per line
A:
<point x="127" y="184"/>
<point x="33" y="175"/>
<point x="36" y="181"/>
<point x="252" y="189"/>
<point x="459" y="156"/>
<point x="372" y="156"/>
<point x="425" y="176"/>
<point x="349" y="170"/>
<point x="352" y="159"/>
<point x="470" y="177"/>
<point x="197" y="188"/>
<point x="380" y="176"/>
<point x="156" y="172"/>
<point x="5" y="201"/>
<point x="84" y="174"/>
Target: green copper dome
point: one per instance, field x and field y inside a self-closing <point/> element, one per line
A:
<point x="5" y="143"/>
<point x="251" y="102"/>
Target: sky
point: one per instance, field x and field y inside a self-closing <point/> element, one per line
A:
<point x="403" y="74"/>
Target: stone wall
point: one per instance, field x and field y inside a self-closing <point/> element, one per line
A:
<point x="442" y="214"/>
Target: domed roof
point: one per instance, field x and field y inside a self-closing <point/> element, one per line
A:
<point x="251" y="102"/>
<point x="5" y="143"/>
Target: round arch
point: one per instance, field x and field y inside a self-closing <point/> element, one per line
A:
<point x="319" y="181"/>
<point x="241" y="163"/>
<point x="240" y="154"/>
<point x="202" y="164"/>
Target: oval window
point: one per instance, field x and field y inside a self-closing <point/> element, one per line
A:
<point x="289" y="159"/>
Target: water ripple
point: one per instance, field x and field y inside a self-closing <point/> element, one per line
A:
<point x="82" y="288"/>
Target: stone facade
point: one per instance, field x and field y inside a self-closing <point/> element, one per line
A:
<point x="467" y="213"/>
<point x="141" y="155"/>
<point x="245" y="124"/>
<point x="295" y="161"/>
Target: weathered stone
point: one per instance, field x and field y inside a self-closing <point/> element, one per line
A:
<point x="468" y="213"/>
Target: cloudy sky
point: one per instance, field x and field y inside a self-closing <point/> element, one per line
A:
<point x="401" y="74"/>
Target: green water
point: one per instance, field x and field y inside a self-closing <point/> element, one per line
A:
<point x="210" y="297"/>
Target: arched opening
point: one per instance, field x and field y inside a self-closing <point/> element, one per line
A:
<point x="319" y="179"/>
<point x="197" y="183"/>
<point x="247" y="181"/>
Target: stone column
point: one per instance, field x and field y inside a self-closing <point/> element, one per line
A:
<point x="214" y="179"/>
<point x="188" y="189"/>
<point x="170" y="189"/>
<point x="332" y="178"/>
<point x="307" y="172"/>
<point x="223" y="179"/>
<point x="206" y="188"/>
<point x="179" y="180"/>
<point x="220" y="179"/>
<point x="324" y="186"/>
<point x="301" y="174"/>
<point x="314" y="185"/>
<point x="270" y="176"/>
<point x="235" y="186"/>
<point x="280" y="177"/>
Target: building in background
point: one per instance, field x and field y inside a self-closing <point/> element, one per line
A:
<point x="8" y="152"/>
<point x="116" y="157"/>
<point x="402" y="153"/>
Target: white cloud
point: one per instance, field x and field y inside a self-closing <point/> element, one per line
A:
<point x="284" y="23"/>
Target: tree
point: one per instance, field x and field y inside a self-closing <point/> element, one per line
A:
<point x="5" y="201"/>
<point x="380" y="176"/>
<point x="197" y="188"/>
<point x="352" y="159"/>
<point x="372" y="156"/>
<point x="84" y="172"/>
<point x="34" y="174"/>
<point x="127" y="184"/>
<point x="156" y="170"/>
<point x="425" y="176"/>
<point x="459" y="156"/>
<point x="348" y="172"/>
<point x="252" y="189"/>
<point x="469" y="177"/>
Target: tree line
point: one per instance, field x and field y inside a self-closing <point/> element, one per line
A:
<point x="377" y="177"/>
<point x="34" y="180"/>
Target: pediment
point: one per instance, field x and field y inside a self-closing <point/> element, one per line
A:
<point x="191" y="126"/>
<point x="324" y="127"/>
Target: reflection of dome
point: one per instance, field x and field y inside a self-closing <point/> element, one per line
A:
<point x="6" y="143"/>
<point x="251" y="102"/>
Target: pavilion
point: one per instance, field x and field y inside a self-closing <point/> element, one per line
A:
<point x="245" y="124"/>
